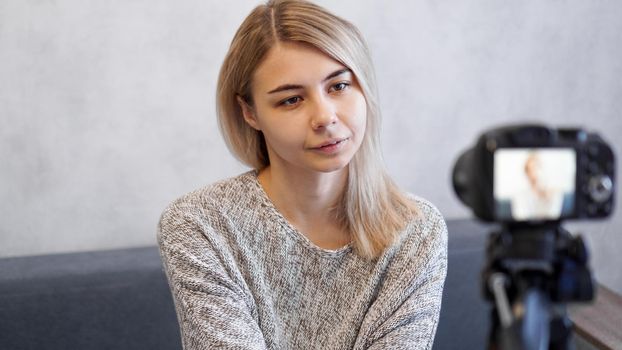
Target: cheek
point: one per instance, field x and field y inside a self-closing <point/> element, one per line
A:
<point x="359" y="116"/>
<point x="282" y="131"/>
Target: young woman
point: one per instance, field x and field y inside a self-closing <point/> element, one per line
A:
<point x="315" y="248"/>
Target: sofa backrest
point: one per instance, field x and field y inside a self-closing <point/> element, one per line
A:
<point x="120" y="299"/>
<point x="97" y="300"/>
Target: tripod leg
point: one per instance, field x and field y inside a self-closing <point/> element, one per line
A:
<point x="561" y="333"/>
<point x="494" y="329"/>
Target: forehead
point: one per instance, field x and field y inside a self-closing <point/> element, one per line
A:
<point x="293" y="63"/>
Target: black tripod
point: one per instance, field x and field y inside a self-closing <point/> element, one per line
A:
<point x="531" y="273"/>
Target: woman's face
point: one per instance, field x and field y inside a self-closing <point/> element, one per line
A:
<point x="532" y="168"/>
<point x="309" y="107"/>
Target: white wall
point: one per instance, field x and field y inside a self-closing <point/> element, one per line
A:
<point x="107" y="107"/>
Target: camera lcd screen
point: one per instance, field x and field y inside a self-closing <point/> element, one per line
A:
<point x="534" y="183"/>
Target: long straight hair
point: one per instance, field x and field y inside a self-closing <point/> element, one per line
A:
<point x="372" y="209"/>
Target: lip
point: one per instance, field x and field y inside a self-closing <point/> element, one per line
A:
<point x="331" y="146"/>
<point x="330" y="142"/>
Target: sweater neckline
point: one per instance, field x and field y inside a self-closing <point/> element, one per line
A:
<point x="293" y="231"/>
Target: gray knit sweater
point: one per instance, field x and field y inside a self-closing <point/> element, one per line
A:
<point x="243" y="278"/>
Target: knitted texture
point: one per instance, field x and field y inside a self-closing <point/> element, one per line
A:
<point x="242" y="277"/>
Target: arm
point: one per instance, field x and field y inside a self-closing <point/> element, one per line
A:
<point x="406" y="313"/>
<point x="212" y="309"/>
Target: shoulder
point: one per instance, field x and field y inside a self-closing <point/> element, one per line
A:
<point x="427" y="227"/>
<point x="429" y="215"/>
<point x="205" y="204"/>
<point x="420" y="254"/>
<point x="426" y="216"/>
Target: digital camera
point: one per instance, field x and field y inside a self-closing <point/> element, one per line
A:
<point x="533" y="173"/>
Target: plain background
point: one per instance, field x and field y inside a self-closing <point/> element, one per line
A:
<point x="107" y="107"/>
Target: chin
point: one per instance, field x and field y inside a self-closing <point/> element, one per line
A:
<point x="331" y="170"/>
<point x="332" y="167"/>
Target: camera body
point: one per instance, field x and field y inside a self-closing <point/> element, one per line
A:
<point x="532" y="174"/>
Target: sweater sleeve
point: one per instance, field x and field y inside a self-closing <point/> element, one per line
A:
<point x="212" y="309"/>
<point x="406" y="313"/>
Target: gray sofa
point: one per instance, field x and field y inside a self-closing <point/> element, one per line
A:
<point x="120" y="299"/>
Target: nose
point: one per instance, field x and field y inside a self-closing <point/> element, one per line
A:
<point x="323" y="114"/>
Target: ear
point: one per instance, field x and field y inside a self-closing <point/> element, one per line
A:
<point x="248" y="112"/>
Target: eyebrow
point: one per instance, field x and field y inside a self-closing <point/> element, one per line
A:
<point x="297" y="87"/>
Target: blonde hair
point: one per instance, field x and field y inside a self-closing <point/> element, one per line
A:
<point x="372" y="208"/>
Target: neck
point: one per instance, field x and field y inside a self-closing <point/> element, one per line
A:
<point x="304" y="197"/>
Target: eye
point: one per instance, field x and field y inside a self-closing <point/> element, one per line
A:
<point x="291" y="101"/>
<point x="339" y="86"/>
